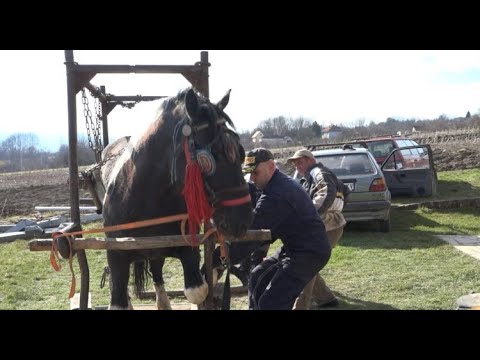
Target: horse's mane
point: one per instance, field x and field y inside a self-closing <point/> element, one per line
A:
<point x="169" y="104"/>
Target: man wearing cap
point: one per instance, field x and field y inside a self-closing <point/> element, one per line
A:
<point x="327" y="193"/>
<point x="286" y="209"/>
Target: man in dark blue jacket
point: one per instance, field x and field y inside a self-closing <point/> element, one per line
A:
<point x="286" y="209"/>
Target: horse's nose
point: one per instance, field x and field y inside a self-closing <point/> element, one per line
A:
<point x="234" y="221"/>
<point x="238" y="230"/>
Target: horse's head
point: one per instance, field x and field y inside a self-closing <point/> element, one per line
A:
<point x="217" y="149"/>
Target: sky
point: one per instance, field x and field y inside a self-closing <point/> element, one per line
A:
<point x="327" y="86"/>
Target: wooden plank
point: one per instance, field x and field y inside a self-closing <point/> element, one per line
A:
<point x="64" y="208"/>
<point x="235" y="291"/>
<point x="137" y="69"/>
<point x="129" y="243"/>
<point x="75" y="301"/>
<point x="11" y="236"/>
<point x="179" y="306"/>
<point x="4" y="228"/>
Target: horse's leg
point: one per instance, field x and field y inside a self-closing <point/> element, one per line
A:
<point x="196" y="288"/>
<point x="247" y="255"/>
<point x="217" y="267"/>
<point x="119" y="265"/>
<point x="156" y="268"/>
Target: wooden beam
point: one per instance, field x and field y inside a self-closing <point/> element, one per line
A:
<point x="235" y="291"/>
<point x="129" y="243"/>
<point x="64" y="208"/>
<point x="134" y="98"/>
<point x="137" y="69"/>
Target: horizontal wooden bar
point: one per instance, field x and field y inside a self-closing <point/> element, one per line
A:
<point x="234" y="291"/>
<point x="134" y="98"/>
<point x="137" y="69"/>
<point x="63" y="208"/>
<point x="130" y="243"/>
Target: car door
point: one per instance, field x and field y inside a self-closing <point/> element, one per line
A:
<point x="409" y="171"/>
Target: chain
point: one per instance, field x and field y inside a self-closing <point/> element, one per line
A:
<point x="107" y="159"/>
<point x="91" y="127"/>
<point x="106" y="272"/>
<point x="98" y="123"/>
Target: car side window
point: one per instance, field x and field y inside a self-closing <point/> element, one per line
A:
<point x="402" y="143"/>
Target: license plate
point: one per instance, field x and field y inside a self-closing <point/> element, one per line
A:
<point x="351" y="186"/>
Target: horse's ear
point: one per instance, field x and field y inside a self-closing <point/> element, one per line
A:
<point x="191" y="104"/>
<point x="222" y="104"/>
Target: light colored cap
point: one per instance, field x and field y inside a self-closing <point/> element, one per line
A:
<point x="299" y="154"/>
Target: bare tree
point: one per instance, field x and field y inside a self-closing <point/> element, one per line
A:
<point x="18" y="149"/>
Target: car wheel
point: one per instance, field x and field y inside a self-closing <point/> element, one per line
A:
<point x="384" y="225"/>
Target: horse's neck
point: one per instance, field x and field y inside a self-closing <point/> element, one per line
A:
<point x="153" y="155"/>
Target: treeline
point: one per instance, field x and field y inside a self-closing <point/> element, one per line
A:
<point x="299" y="130"/>
<point x="392" y="126"/>
<point x="22" y="151"/>
<point x="305" y="131"/>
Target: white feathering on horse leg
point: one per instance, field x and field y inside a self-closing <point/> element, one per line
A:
<point x="198" y="294"/>
<point x="163" y="303"/>
<point x="130" y="306"/>
<point x="215" y="276"/>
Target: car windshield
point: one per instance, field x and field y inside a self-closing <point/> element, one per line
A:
<point x="348" y="164"/>
<point x="380" y="147"/>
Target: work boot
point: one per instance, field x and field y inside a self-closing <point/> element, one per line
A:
<point x="328" y="304"/>
<point x="322" y="296"/>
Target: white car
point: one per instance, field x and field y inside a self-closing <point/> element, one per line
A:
<point x="370" y="198"/>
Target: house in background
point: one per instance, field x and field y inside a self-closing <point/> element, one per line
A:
<point x="278" y="142"/>
<point x="415" y="131"/>
<point x="257" y="137"/>
<point x="331" y="132"/>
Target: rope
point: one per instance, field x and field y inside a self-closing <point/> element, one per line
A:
<point x="198" y="206"/>
<point x="55" y="258"/>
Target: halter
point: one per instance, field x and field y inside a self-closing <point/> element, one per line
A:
<point x="205" y="160"/>
<point x="200" y="198"/>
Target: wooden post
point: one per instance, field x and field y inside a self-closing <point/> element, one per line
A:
<point x="103" y="103"/>
<point x="77" y="77"/>
<point x="73" y="164"/>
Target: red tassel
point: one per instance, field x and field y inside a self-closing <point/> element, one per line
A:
<point x="198" y="207"/>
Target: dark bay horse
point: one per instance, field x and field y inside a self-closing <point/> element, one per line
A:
<point x="144" y="179"/>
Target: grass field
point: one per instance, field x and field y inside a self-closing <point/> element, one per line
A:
<point x="408" y="268"/>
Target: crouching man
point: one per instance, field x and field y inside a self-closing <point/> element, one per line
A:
<point x="328" y="195"/>
<point x="287" y="211"/>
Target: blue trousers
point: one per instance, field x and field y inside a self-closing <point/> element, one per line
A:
<point x="276" y="283"/>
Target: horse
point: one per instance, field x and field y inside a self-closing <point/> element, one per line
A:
<point x="145" y="179"/>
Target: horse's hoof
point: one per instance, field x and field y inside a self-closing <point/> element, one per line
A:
<point x="198" y="294"/>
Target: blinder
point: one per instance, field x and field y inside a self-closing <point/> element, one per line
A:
<point x="206" y="161"/>
<point x="207" y="164"/>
